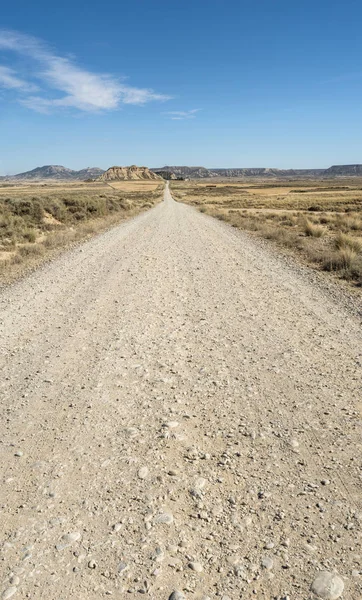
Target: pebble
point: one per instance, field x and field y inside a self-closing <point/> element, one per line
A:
<point x="143" y="472"/>
<point x="18" y="453"/>
<point x="200" y="483"/>
<point x="164" y="518"/>
<point x="171" y="424"/>
<point x="328" y="586"/>
<point x="67" y="539"/>
<point x="117" y="526"/>
<point x="267" y="563"/>
<point x="9" y="592"/>
<point x="92" y="564"/>
<point x="177" y="596"/>
<point x="269" y="545"/>
<point x="196" y="566"/>
<point x="122" y="567"/>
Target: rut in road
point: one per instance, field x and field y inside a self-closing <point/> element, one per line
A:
<point x="180" y="411"/>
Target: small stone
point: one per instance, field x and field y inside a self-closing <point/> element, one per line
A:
<point x="294" y="445"/>
<point x="354" y="573"/>
<point x="328" y="586"/>
<point x="267" y="563"/>
<point x="71" y="537"/>
<point x="143" y="472"/>
<point x="18" y="453"/>
<point x="164" y="518"/>
<point x="14" y="580"/>
<point x="177" y="596"/>
<point x="200" y="483"/>
<point x="170" y="424"/>
<point x="92" y="564"/>
<point x="67" y="539"/>
<point x="196" y="566"/>
<point x="117" y="526"/>
<point x="9" y="592"/>
<point x="122" y="567"/>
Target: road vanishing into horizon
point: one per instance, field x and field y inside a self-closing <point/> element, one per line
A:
<point x="180" y="418"/>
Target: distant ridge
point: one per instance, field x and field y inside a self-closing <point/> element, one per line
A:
<point x="57" y="172"/>
<point x="202" y="172"/>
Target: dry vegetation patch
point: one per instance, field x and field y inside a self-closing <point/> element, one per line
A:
<point x="35" y="219"/>
<point x="320" y="221"/>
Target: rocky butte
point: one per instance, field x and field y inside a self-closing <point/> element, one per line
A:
<point x="128" y="173"/>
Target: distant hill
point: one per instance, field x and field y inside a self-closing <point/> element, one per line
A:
<point x="345" y="170"/>
<point x="128" y="173"/>
<point x="60" y="173"/>
<point x="258" y="172"/>
<point x="57" y="172"/>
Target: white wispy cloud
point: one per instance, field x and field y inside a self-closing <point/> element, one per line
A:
<point x="63" y="83"/>
<point x="10" y="81"/>
<point x="179" y="115"/>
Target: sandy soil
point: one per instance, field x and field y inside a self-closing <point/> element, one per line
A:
<point x="181" y="418"/>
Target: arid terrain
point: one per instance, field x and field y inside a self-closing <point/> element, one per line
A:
<point x="320" y="221"/>
<point x="181" y="418"/>
<point x="37" y="218"/>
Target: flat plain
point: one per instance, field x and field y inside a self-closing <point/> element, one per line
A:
<point x="319" y="220"/>
<point x="38" y="218"/>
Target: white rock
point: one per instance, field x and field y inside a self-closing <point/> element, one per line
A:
<point x="177" y="596"/>
<point x="196" y="566"/>
<point x="143" y="472"/>
<point x="71" y="537"/>
<point x="267" y="563"/>
<point x="164" y="518"/>
<point x="9" y="592"/>
<point x="328" y="586"/>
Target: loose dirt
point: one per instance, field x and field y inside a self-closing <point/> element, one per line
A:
<point x="181" y="418"/>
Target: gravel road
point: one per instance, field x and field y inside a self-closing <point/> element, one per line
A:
<point x="181" y="417"/>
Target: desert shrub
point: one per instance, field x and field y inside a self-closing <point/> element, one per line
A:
<point x="313" y="230"/>
<point x="346" y="242"/>
<point x="29" y="235"/>
<point x="31" y="250"/>
<point x="341" y="259"/>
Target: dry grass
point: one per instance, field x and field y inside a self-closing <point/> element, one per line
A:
<point x="53" y="216"/>
<point x="320" y="221"/>
<point x="135" y="186"/>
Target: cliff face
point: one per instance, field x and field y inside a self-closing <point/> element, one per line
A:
<point x="128" y="173"/>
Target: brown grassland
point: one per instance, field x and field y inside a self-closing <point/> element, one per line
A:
<point x="38" y="219"/>
<point x="319" y="220"/>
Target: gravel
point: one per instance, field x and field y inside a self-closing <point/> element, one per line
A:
<point x="174" y="384"/>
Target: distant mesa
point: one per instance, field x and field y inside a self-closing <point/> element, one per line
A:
<point x="184" y="172"/>
<point x="131" y="173"/>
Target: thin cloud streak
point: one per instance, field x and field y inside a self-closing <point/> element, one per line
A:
<point x="72" y="86"/>
<point x="180" y="115"/>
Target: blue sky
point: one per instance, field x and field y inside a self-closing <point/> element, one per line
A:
<point x="273" y="83"/>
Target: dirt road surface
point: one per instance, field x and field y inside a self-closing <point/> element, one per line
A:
<point x="180" y="413"/>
